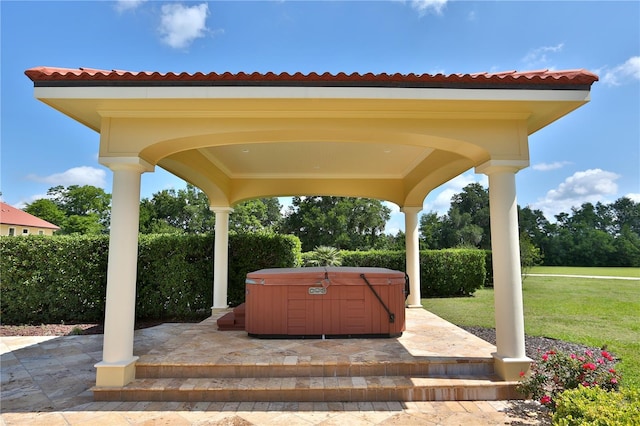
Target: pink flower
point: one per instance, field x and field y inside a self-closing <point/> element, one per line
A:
<point x="600" y="361"/>
<point x="573" y="356"/>
<point x="588" y="353"/>
<point x="589" y="366"/>
<point x="545" y="400"/>
<point x="586" y="384"/>
<point x="607" y="355"/>
<point x="614" y="380"/>
<point x="545" y="357"/>
<point x="612" y="371"/>
<point x="522" y="374"/>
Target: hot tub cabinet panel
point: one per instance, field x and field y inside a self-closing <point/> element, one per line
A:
<point x="329" y="302"/>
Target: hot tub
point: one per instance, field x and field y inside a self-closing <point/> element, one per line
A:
<point x="324" y="302"/>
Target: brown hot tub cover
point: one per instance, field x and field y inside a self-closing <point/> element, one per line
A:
<point x="325" y="302"/>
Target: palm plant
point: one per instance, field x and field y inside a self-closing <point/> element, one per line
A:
<point x="324" y="256"/>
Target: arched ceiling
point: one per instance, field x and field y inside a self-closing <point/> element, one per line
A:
<point x="241" y="136"/>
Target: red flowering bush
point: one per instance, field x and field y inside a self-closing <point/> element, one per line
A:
<point x="556" y="372"/>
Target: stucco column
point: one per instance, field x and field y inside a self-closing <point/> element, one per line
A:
<point x="412" y="244"/>
<point x="510" y="358"/>
<point x="117" y="367"/>
<point x="221" y="257"/>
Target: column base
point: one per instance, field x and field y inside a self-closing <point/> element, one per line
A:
<point x="414" y="306"/>
<point x="511" y="369"/>
<point x="115" y="374"/>
<point x="215" y="311"/>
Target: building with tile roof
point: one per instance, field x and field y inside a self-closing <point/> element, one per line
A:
<point x="240" y="136"/>
<point x="15" y="222"/>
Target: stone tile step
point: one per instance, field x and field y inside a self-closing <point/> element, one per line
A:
<point x="230" y="322"/>
<point x="314" y="389"/>
<point x="297" y="367"/>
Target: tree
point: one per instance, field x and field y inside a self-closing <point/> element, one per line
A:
<point x="82" y="201"/>
<point x="86" y="225"/>
<point x="47" y="210"/>
<point x="391" y="242"/>
<point x="431" y="231"/>
<point x="256" y="215"/>
<point x="75" y="209"/>
<point x="342" y="222"/>
<point x="626" y="212"/>
<point x="535" y="230"/>
<point x="529" y="254"/>
<point x="187" y="211"/>
<point x="467" y="223"/>
<point x="627" y="246"/>
<point x="170" y="211"/>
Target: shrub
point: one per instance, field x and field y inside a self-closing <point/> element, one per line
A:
<point x="390" y="259"/>
<point x="595" y="406"/>
<point x="558" y="371"/>
<point x="250" y="252"/>
<point x="454" y="272"/>
<point x="323" y="256"/>
<point x="53" y="279"/>
<point x="443" y="273"/>
<point x="63" y="278"/>
<point x="175" y="276"/>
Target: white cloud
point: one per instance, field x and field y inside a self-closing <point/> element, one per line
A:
<point x="539" y="57"/>
<point x="545" y="167"/>
<point x="180" y="24"/>
<point x="589" y="186"/>
<point x="621" y="74"/>
<point x="83" y="175"/>
<point x="424" y="6"/>
<point x="633" y="197"/>
<point x="127" y="5"/>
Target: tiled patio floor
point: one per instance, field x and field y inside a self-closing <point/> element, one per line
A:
<point x="48" y="380"/>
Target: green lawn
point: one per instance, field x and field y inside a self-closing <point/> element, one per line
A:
<point x="594" y="312"/>
<point x="594" y="271"/>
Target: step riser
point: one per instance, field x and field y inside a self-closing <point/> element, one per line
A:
<point x="493" y="393"/>
<point x="244" y="371"/>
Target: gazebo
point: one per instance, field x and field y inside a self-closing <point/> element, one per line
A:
<point x="242" y="136"/>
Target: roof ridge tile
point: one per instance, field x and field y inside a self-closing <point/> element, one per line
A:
<point x="543" y="77"/>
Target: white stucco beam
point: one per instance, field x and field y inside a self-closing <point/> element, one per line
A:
<point x="211" y="92"/>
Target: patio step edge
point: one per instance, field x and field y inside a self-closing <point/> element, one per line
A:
<point x="427" y="368"/>
<point x="314" y="389"/>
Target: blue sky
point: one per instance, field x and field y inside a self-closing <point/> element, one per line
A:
<point x="593" y="154"/>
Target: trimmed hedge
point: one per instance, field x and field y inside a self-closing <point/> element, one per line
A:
<point x="63" y="278"/>
<point x="53" y="279"/>
<point x="455" y="272"/>
<point x="443" y="273"/>
<point x="250" y="252"/>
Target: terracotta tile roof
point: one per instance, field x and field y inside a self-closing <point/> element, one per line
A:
<point x="542" y="79"/>
<point x="12" y="216"/>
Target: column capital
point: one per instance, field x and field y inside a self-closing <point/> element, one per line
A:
<point x="411" y="209"/>
<point x="502" y="166"/>
<point x="126" y="163"/>
<point x="221" y="209"/>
